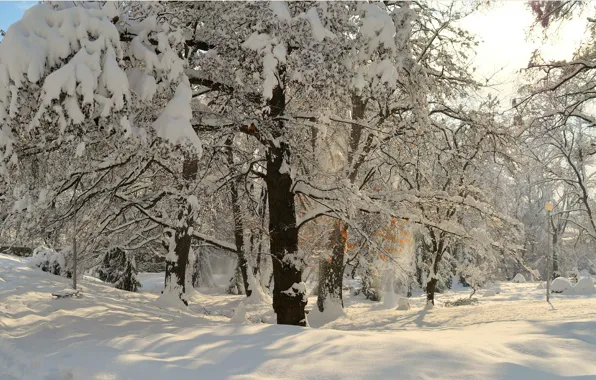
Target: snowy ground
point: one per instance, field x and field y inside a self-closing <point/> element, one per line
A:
<point x="110" y="334"/>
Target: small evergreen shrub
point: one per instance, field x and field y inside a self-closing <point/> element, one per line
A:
<point x="119" y="269"/>
<point x="370" y="286"/>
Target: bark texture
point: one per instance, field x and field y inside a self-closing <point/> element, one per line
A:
<point x="175" y="280"/>
<point x="331" y="270"/>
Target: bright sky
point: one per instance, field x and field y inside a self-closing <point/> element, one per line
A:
<point x="503" y="28"/>
<point x="506" y="46"/>
<point x="11" y="11"/>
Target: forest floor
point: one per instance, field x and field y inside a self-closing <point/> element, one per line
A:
<point x="111" y="334"/>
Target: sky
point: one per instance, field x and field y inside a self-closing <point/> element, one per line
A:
<point x="11" y="11"/>
<point x="507" y="44"/>
<point x="503" y="28"/>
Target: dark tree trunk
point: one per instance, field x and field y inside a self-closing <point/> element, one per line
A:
<point x="431" y="287"/>
<point x="288" y="304"/>
<point x="243" y="266"/>
<point x="258" y="235"/>
<point x="236" y="285"/>
<point x="289" y="296"/>
<point x="175" y="280"/>
<point x="437" y="253"/>
<point x="238" y="282"/>
<point x="331" y="270"/>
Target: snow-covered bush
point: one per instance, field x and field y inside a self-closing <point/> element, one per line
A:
<point x="475" y="276"/>
<point x="332" y="311"/>
<point x="519" y="279"/>
<point x="371" y="293"/>
<point x="574" y="274"/>
<point x="585" y="285"/>
<point x="51" y="261"/>
<point x="370" y="286"/>
<point x="119" y="269"/>
<point x="560" y="285"/>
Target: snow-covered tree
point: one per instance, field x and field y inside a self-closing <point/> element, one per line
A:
<point x="119" y="269"/>
<point x="87" y="82"/>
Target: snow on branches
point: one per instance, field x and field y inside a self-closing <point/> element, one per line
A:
<point x="68" y="66"/>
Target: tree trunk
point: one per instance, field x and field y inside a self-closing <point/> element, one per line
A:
<point x="239" y="238"/>
<point x="236" y="285"/>
<point x="175" y="280"/>
<point x="331" y="273"/>
<point x="238" y="223"/>
<point x="258" y="234"/>
<point x="431" y="287"/>
<point x="331" y="270"/>
<point x="243" y="266"/>
<point x="289" y="293"/>
<point x="238" y="282"/>
<point x="370" y="280"/>
<point x="289" y="299"/>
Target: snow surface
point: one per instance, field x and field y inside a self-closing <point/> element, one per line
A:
<point x="113" y="334"/>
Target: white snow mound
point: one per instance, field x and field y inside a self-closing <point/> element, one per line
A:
<point x="561" y="285"/>
<point x="169" y="301"/>
<point x="489" y="293"/>
<point x="519" y="278"/>
<point x="585" y="285"/>
<point x="331" y="312"/>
